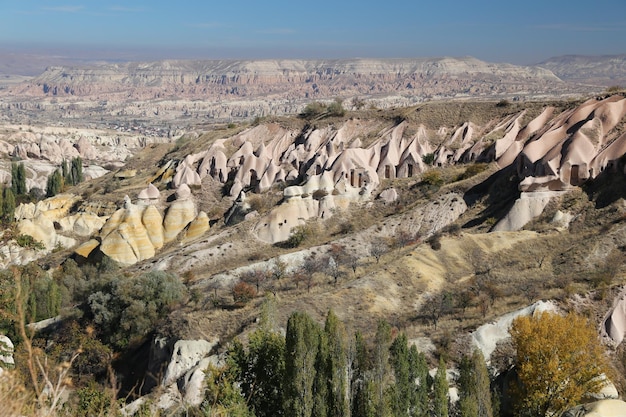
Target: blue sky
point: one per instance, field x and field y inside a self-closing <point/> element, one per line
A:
<point x="521" y="32"/>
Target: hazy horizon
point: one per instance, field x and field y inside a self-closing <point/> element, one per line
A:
<point x="151" y="30"/>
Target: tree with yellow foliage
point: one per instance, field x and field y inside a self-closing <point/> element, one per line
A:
<point x="559" y="360"/>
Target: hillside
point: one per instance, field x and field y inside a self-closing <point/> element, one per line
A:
<point x="373" y="214"/>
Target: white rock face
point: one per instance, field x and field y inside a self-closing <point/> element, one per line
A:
<point x="488" y="335"/>
<point x="525" y="208"/>
<point x="186" y="355"/>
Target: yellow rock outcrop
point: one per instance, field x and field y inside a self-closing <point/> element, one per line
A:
<point x="198" y="227"/>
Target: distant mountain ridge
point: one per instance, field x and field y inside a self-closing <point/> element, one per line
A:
<point x="606" y="70"/>
<point x="292" y="79"/>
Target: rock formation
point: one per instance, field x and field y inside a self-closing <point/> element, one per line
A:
<point x="602" y="408"/>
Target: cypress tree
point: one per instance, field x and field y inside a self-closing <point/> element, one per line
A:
<point x="18" y="179"/>
<point x="440" y="391"/>
<point x="54" y="184"/>
<point x="404" y="387"/>
<point x="418" y="374"/>
<point x="474" y="387"/>
<point x="337" y="367"/>
<point x="361" y="386"/>
<point x="322" y="379"/>
<point x="65" y="172"/>
<point x="75" y="174"/>
<point x="381" y="372"/>
<point x="8" y="205"/>
<point x="301" y="346"/>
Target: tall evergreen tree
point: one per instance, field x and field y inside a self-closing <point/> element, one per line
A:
<point x="18" y="179"/>
<point x="8" y="205"/>
<point x="64" y="169"/>
<point x="301" y="346"/>
<point x="322" y="378"/>
<point x="381" y="372"/>
<point x="337" y="367"/>
<point x="75" y="174"/>
<point x="440" y="391"/>
<point x="361" y="385"/>
<point x="418" y="368"/>
<point x="403" y="387"/>
<point x="54" y="184"/>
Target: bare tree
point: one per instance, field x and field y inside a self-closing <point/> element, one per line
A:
<point x="436" y="306"/>
<point x="254" y="277"/>
<point x="378" y="248"/>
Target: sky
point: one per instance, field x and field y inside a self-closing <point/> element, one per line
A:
<point x="519" y="32"/>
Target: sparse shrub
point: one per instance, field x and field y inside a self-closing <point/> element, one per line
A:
<point x="378" y="248"/>
<point x="435" y="241"/>
<point x="473" y="169"/>
<point x="432" y="178"/>
<point x="243" y="293"/>
<point x="231" y="126"/>
<point x="503" y="103"/>
<point x="313" y="109"/>
<point x="429" y="158"/>
<point x="358" y="103"/>
<point x="490" y="221"/>
<point x="336" y="108"/>
<point x="614" y="89"/>
<point x="27" y="241"/>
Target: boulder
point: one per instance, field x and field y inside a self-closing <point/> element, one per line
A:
<point x="389" y="195"/>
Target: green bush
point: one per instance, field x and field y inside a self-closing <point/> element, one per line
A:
<point x="428" y="159"/>
<point x="127" y="309"/>
<point x="27" y="241"/>
<point x="298" y="235"/>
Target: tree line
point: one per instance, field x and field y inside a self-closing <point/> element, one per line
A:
<point x="319" y="370"/>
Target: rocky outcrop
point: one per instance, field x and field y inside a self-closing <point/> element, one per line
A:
<point x="183" y="383"/>
<point x="488" y="335"/>
<point x="574" y="147"/>
<point x="127" y="241"/>
<point x="525" y="208"/>
<point x="179" y="214"/>
<point x="614" y="324"/>
<point x="602" y="408"/>
<point x="136" y="231"/>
